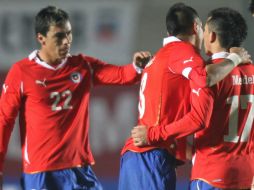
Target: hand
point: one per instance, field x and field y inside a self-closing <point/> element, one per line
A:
<point x="139" y="135"/>
<point x="242" y="53"/>
<point x="141" y="58"/>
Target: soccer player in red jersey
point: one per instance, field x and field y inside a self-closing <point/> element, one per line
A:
<point x="224" y="147"/>
<point x="50" y="90"/>
<point x="164" y="97"/>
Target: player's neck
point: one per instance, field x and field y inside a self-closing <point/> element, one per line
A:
<point x="217" y="49"/>
<point x="43" y="56"/>
<point x="188" y="38"/>
<point x="185" y="38"/>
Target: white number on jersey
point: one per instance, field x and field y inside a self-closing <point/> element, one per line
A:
<point x="233" y="118"/>
<point x="57" y="96"/>
<point x="142" y="101"/>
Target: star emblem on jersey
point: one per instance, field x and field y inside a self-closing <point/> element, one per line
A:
<point x="41" y="82"/>
<point x="76" y="77"/>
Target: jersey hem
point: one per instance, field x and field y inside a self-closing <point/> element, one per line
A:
<point x="58" y="168"/>
<point x="219" y="186"/>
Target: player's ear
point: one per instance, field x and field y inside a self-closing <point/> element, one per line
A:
<point x="40" y="38"/>
<point x="212" y="37"/>
<point x="196" y="27"/>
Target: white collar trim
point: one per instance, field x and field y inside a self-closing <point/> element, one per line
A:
<point x="219" y="55"/>
<point x="170" y="39"/>
<point x="33" y="56"/>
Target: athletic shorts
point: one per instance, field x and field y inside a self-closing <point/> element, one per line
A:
<point x="66" y="179"/>
<point x="153" y="170"/>
<point x="201" y="185"/>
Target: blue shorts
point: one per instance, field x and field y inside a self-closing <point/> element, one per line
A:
<point x="151" y="170"/>
<point x="201" y="185"/>
<point x="67" y="179"/>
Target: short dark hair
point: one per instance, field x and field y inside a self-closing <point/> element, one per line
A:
<point x="251" y="8"/>
<point x="180" y="19"/>
<point x="229" y="25"/>
<point x="48" y="16"/>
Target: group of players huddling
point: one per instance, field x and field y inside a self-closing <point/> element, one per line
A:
<point x="180" y="94"/>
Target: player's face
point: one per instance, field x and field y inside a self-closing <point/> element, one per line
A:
<point x="200" y="34"/>
<point x="56" y="44"/>
<point x="207" y="40"/>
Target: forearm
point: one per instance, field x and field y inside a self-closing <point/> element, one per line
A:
<point x="202" y="101"/>
<point x="217" y="72"/>
<point x="115" y="75"/>
<point x="5" y="133"/>
<point x="214" y="73"/>
<point x="181" y="128"/>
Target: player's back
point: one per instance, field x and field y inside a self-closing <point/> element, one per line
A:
<point x="222" y="149"/>
<point x="164" y="94"/>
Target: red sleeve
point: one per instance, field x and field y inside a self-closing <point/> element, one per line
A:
<point x="104" y="73"/>
<point x="199" y="76"/>
<point x="9" y="107"/>
<point x="202" y="100"/>
<point x="190" y="64"/>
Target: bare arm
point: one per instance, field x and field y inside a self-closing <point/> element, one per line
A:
<point x="213" y="73"/>
<point x="216" y="72"/>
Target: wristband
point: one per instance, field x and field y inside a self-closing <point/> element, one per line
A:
<point x="138" y="69"/>
<point x="235" y="58"/>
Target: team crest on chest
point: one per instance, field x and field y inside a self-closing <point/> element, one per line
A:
<point x="76" y="77"/>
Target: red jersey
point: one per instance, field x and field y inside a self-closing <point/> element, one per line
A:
<point x="165" y="91"/>
<point x="222" y="155"/>
<point x="224" y="148"/>
<point x="53" y="109"/>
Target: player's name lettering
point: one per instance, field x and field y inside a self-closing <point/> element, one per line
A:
<point x="237" y="80"/>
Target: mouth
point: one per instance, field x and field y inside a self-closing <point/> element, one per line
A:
<point x="64" y="52"/>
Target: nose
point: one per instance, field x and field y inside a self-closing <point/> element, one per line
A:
<point x="67" y="39"/>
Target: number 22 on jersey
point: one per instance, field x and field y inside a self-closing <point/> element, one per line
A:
<point x="67" y="95"/>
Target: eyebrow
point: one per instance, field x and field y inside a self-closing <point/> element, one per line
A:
<point x="62" y="34"/>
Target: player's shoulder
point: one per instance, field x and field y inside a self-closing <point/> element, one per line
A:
<point x="82" y="58"/>
<point x="180" y="48"/>
<point x="187" y="47"/>
<point x="246" y="66"/>
<point x="21" y="63"/>
<point x="182" y="44"/>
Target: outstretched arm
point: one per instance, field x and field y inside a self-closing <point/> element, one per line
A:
<point x="103" y="73"/>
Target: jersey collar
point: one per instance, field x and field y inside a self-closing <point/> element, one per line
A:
<point x="219" y="55"/>
<point x="33" y="56"/>
<point x="170" y="39"/>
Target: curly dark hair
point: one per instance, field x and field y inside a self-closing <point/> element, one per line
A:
<point x="229" y="25"/>
<point x="180" y="19"/>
